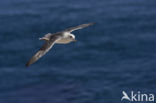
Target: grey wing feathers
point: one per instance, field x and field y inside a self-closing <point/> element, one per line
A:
<point x="42" y="51"/>
<point x="78" y="27"/>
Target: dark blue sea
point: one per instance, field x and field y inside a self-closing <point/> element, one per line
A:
<point x="116" y="54"/>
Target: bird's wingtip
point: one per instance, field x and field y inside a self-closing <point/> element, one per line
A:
<point x="93" y="23"/>
<point x="27" y="65"/>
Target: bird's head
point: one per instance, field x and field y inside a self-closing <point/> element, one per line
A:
<point x="72" y="37"/>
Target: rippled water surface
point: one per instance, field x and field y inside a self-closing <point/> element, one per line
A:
<point x="116" y="54"/>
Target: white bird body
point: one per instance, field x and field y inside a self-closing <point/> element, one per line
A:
<point x="66" y="38"/>
<point x="63" y="37"/>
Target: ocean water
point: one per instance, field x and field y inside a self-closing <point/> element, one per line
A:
<point x="117" y="54"/>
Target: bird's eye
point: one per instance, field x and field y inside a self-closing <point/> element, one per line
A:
<point x="70" y="37"/>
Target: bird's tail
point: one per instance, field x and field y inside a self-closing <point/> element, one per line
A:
<point x="44" y="38"/>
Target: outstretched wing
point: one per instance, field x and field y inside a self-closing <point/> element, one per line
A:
<point x="78" y="27"/>
<point x="43" y="50"/>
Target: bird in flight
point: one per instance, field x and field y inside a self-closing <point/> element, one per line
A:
<point x="62" y="37"/>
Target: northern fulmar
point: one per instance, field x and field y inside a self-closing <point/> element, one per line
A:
<point x="62" y="37"/>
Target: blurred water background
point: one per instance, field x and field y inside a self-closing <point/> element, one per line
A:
<point x="116" y="54"/>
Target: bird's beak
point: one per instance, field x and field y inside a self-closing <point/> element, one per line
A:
<point x="74" y="40"/>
